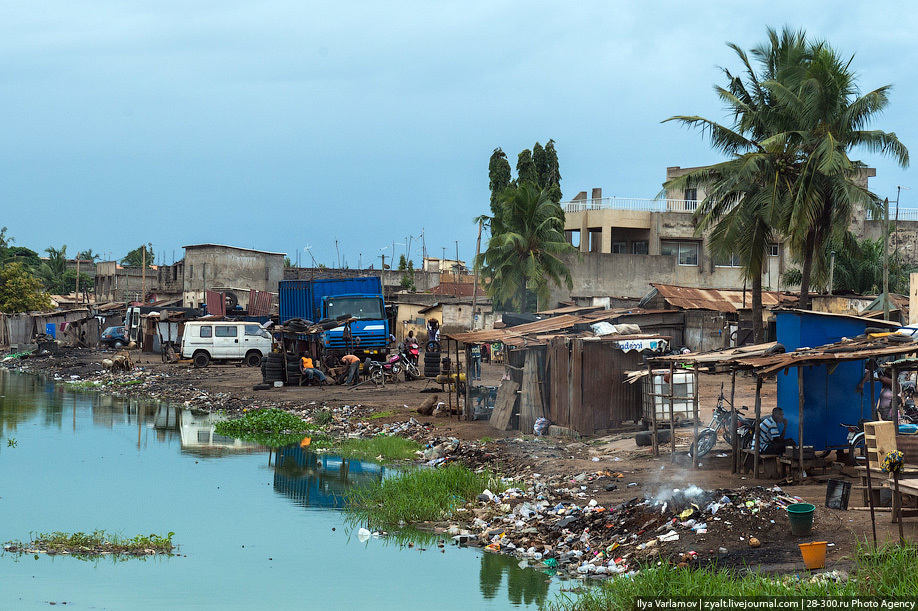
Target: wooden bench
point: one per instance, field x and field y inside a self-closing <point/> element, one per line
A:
<point x="767" y="463"/>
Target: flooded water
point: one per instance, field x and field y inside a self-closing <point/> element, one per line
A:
<point x="256" y="529"/>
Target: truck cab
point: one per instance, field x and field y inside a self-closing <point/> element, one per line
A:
<point x="370" y="325"/>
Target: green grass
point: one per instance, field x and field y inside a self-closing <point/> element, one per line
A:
<point x="388" y="413"/>
<point x="129" y="383"/>
<point x="418" y="495"/>
<point x="485" y="440"/>
<point x="890" y="571"/>
<point x="83" y="384"/>
<point x="323" y="417"/>
<point x="383" y="447"/>
<point x="271" y="427"/>
<point x="92" y="545"/>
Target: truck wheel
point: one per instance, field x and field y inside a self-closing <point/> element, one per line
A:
<point x="201" y="359"/>
<point x="253" y="359"/>
<point x="231" y="300"/>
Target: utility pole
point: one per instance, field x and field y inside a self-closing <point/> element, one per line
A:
<point x="143" y="274"/>
<point x="886" y="259"/>
<point x="475" y="290"/>
<point x="76" y="291"/>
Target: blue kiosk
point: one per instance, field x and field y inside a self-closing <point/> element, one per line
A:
<point x="830" y="394"/>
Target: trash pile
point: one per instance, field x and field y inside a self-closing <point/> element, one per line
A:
<point x="690" y="527"/>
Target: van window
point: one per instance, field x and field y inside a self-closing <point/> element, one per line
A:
<point x="226" y="331"/>
<point x="207" y="331"/>
<point x="252" y="330"/>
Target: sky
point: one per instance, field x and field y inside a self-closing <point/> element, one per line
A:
<point x="339" y="132"/>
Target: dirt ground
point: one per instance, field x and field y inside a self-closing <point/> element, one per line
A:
<point x="609" y="469"/>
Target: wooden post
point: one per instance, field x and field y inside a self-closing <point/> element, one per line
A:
<point x="695" y="413"/>
<point x="458" y="372"/>
<point x="733" y="432"/>
<point x="76" y="294"/>
<point x="800" y="402"/>
<point x="143" y="276"/>
<point x="653" y="413"/>
<point x="672" y="419"/>
<point x="758" y="423"/>
<point x="475" y="290"/>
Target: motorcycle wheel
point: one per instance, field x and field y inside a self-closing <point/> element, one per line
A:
<point x="705" y="442"/>
<point x="857" y="450"/>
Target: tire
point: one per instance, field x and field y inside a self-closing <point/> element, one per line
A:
<point x="377" y="376"/>
<point x="253" y="359"/>
<point x="705" y="443"/>
<point x="118" y="344"/>
<point x="432" y="358"/>
<point x="264" y="386"/>
<point x="396" y="369"/>
<point x="201" y="359"/>
<point x="645" y="438"/>
<point x="857" y="450"/>
<point x="411" y="372"/>
<point x="433" y="347"/>
<point x="231" y="300"/>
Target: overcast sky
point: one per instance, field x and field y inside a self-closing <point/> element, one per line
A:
<point x="285" y="125"/>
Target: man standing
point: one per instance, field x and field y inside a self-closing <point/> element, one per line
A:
<point x="771" y="433"/>
<point x="475" y="365"/>
<point x="353" y="366"/>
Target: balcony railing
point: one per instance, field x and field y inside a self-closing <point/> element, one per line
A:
<point x="633" y="204"/>
<point x="905" y="214"/>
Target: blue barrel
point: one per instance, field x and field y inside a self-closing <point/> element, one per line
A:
<point x="51" y="329"/>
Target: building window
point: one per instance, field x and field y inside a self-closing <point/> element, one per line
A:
<point x="619" y="248"/>
<point x="640" y="247"/>
<point x="691" y="199"/>
<point x="730" y="261"/>
<point x="686" y="253"/>
<point x="774" y="250"/>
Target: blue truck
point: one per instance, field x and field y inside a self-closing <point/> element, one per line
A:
<point x="328" y="298"/>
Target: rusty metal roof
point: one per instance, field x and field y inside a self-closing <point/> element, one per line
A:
<point x="720" y="300"/>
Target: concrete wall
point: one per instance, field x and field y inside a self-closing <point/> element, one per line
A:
<point x="392" y="279"/>
<point x="115" y="283"/>
<point x="216" y="267"/>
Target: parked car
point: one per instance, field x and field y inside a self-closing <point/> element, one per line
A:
<point x="225" y="341"/>
<point x="114" y="337"/>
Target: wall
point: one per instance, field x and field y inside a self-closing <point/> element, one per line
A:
<point x="115" y="283"/>
<point x="392" y="279"/>
<point x="216" y="267"/>
<point x="705" y="330"/>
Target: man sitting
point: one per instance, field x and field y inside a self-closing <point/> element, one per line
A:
<point x="309" y="371"/>
<point x="771" y="435"/>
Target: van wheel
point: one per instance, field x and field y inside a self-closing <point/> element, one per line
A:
<point x="201" y="359"/>
<point x="118" y="345"/>
<point x="253" y="359"/>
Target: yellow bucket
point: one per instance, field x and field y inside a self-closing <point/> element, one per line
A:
<point x="814" y="554"/>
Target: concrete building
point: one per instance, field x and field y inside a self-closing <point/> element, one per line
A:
<point x="114" y="282"/>
<point x="627" y="243"/>
<point x="216" y="267"/>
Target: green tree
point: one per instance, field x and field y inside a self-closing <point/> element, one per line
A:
<point x="20" y="291"/>
<point x="523" y="255"/>
<point x="526" y="171"/>
<point x="830" y="117"/>
<point x="547" y="169"/>
<point x="26" y="256"/>
<point x="88" y="255"/>
<point x="498" y="176"/>
<point x="53" y="268"/>
<point x="747" y="195"/>
<point x="135" y="258"/>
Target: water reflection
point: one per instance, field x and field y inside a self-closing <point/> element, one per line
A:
<point x="320" y="480"/>
<point x="524" y="585"/>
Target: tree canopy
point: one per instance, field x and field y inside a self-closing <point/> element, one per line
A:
<point x="135" y="258"/>
<point x="20" y="291"/>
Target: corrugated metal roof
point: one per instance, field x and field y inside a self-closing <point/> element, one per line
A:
<point x="720" y="300"/>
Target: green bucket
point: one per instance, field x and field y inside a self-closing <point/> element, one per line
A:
<point x="801" y="518"/>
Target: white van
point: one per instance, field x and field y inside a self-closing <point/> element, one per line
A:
<point x="204" y="341"/>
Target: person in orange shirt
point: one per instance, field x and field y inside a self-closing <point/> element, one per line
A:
<point x="308" y="369"/>
<point x="353" y="366"/>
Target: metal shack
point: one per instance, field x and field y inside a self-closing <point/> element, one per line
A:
<point x="830" y="392"/>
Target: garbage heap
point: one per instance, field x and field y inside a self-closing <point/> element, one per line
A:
<point x="690" y="527"/>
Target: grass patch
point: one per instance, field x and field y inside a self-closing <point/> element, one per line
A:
<point x="485" y="440"/>
<point x="418" y="495"/>
<point x="129" y="383"/>
<point x="383" y="447"/>
<point x="890" y="571"/>
<point x="323" y="417"/>
<point x="270" y="427"/>
<point x="83" y="384"/>
<point x="388" y="413"/>
<point x="93" y="545"/>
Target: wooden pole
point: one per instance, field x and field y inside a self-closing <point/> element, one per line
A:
<point x="653" y="413"/>
<point x="143" y="276"/>
<point x="758" y="423"/>
<point x="475" y="290"/>
<point x="695" y="414"/>
<point x="733" y="429"/>
<point x="672" y="419"/>
<point x="800" y="402"/>
<point x="76" y="290"/>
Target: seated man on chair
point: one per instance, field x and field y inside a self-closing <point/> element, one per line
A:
<point x="771" y="433"/>
<point x="309" y="371"/>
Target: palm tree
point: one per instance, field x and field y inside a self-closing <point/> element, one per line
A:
<point x="830" y="118"/>
<point x="88" y="255"/>
<point x="53" y="268"/>
<point x="745" y="196"/>
<point x="523" y="253"/>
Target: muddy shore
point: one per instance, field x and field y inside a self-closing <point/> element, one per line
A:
<point x="583" y="507"/>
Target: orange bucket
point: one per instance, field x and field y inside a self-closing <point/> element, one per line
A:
<point x="814" y="554"/>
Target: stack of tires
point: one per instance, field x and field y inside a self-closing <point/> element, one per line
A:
<point x="293" y="367"/>
<point x="272" y="368"/>
<point x="432" y="360"/>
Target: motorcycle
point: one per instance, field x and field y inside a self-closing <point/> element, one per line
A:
<point x="389" y="371"/>
<point x="721" y="421"/>
<point x="857" y="444"/>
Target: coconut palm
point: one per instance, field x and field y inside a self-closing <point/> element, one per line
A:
<point x="830" y="118"/>
<point x="53" y="268"/>
<point x="523" y="253"/>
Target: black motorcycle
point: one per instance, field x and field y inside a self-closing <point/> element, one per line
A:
<point x="722" y="421"/>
